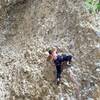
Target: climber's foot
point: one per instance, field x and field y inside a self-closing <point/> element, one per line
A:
<point x="58" y="81"/>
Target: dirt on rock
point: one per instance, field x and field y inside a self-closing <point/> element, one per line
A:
<point x="28" y="28"/>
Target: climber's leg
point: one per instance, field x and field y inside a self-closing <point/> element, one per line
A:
<point x="58" y="73"/>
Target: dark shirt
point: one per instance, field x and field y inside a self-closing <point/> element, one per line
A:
<point x="62" y="58"/>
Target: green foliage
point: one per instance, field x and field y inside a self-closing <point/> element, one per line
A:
<point x="89" y="1"/>
<point x="92" y="5"/>
<point x="98" y="6"/>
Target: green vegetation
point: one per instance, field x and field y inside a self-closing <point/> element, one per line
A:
<point x="92" y="5"/>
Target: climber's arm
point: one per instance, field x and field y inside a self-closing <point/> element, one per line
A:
<point x="52" y="64"/>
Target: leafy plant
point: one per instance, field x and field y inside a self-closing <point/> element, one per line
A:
<point x="89" y="1"/>
<point x="92" y="5"/>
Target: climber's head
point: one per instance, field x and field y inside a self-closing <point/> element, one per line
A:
<point x="52" y="51"/>
<point x="52" y="54"/>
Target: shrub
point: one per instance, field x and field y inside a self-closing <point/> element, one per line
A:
<point x="92" y="5"/>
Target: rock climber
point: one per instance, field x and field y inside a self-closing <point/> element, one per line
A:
<point x="58" y="60"/>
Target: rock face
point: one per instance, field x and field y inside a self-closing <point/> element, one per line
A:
<point x="9" y="2"/>
<point x="27" y="29"/>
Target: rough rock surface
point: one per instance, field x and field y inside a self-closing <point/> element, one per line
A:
<point x="27" y="29"/>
